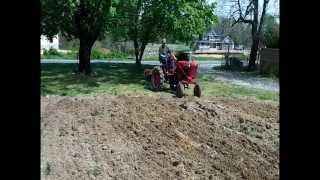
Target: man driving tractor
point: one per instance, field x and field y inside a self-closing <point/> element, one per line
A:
<point x="164" y="52"/>
<point x="166" y="57"/>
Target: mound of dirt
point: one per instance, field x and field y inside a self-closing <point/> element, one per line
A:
<point x="126" y="137"/>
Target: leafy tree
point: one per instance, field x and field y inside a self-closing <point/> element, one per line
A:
<point x="48" y="25"/>
<point x="86" y="20"/>
<point x="271" y="32"/>
<point x="144" y="21"/>
<point x="191" y="19"/>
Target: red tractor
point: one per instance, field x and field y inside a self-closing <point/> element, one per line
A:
<point x="179" y="73"/>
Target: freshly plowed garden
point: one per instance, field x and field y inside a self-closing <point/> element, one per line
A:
<point x="155" y="137"/>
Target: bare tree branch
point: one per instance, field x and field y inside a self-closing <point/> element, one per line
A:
<point x="248" y="9"/>
<point x="239" y="7"/>
<point x="265" y="3"/>
<point x="234" y="22"/>
<point x="235" y="11"/>
<point x="242" y="17"/>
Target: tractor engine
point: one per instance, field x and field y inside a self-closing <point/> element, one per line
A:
<point x="186" y="71"/>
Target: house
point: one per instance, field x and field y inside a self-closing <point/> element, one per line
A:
<point x="46" y="44"/>
<point x="212" y="41"/>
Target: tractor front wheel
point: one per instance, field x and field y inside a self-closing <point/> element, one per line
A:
<point x="197" y="90"/>
<point x="179" y="90"/>
<point x="172" y="87"/>
<point x="172" y="83"/>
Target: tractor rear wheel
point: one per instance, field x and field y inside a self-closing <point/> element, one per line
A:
<point x="197" y="90"/>
<point x="179" y="90"/>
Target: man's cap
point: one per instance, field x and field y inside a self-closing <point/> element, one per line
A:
<point x="164" y="40"/>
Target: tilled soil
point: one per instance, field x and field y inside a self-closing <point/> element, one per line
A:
<point x="126" y="137"/>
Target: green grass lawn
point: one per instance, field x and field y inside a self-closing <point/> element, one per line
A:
<point x="213" y="87"/>
<point x="124" y="79"/>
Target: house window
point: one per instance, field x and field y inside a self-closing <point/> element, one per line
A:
<point x="219" y="46"/>
<point x="213" y="45"/>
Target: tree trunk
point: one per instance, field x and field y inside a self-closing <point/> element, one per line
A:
<point x="255" y="37"/>
<point x="143" y="47"/>
<point x="139" y="50"/>
<point x="227" y="60"/>
<point x="136" y="51"/>
<point x="84" y="55"/>
<point x="228" y="64"/>
<point x="253" y="53"/>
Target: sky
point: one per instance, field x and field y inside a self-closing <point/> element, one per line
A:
<point x="222" y="7"/>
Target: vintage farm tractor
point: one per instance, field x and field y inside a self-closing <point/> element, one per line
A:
<point x="180" y="73"/>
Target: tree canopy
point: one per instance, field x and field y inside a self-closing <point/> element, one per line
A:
<point x="72" y="17"/>
<point x="271" y="32"/>
<point x="86" y="20"/>
<point x="144" y="21"/>
<point x="140" y="21"/>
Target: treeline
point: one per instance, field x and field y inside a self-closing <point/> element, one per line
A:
<point x="241" y="33"/>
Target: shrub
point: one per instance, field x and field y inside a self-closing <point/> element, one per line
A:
<point x="270" y="70"/>
<point x="98" y="54"/>
<point x="51" y="52"/>
<point x="71" y="55"/>
<point x="95" y="54"/>
<point x="117" y="54"/>
<point x="236" y="63"/>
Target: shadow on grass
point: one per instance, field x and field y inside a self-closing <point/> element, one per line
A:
<point x="60" y="79"/>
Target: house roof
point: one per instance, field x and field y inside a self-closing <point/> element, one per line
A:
<point x="219" y="38"/>
<point x="212" y="33"/>
<point x="227" y="38"/>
